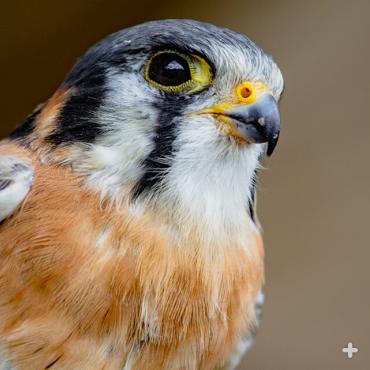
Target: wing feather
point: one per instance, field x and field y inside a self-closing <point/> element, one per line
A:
<point x="246" y="344"/>
<point x="16" y="178"/>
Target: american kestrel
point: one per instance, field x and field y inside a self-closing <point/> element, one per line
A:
<point x="128" y="235"/>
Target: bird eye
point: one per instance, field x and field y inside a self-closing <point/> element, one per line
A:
<point x="169" y="69"/>
<point x="172" y="71"/>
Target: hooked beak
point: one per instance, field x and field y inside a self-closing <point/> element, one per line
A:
<point x="254" y="120"/>
<point x="258" y="122"/>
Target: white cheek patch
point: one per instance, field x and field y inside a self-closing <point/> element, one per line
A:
<point x="113" y="165"/>
<point x="104" y="156"/>
<point x="210" y="180"/>
<point x="16" y="178"/>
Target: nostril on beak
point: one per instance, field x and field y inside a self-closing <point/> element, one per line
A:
<point x="246" y="93"/>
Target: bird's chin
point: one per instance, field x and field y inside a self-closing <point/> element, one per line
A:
<point x="228" y="131"/>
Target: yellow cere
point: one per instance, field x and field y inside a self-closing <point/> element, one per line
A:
<point x="245" y="93"/>
<point x="248" y="92"/>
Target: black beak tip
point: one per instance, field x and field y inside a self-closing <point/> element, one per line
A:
<point x="271" y="145"/>
<point x="258" y="122"/>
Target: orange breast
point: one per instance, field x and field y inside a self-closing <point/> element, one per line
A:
<point x="84" y="285"/>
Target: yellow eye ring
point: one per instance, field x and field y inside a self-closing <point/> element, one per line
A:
<point x="172" y="71"/>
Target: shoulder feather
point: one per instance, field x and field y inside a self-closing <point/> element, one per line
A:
<point x="16" y="178"/>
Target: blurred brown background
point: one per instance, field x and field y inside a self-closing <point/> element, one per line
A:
<point x="314" y="199"/>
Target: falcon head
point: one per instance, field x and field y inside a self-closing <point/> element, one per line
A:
<point x="173" y="111"/>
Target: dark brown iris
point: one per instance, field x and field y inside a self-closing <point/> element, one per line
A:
<point x="169" y="69"/>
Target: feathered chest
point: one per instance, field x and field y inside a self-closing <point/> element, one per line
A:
<point x="123" y="288"/>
